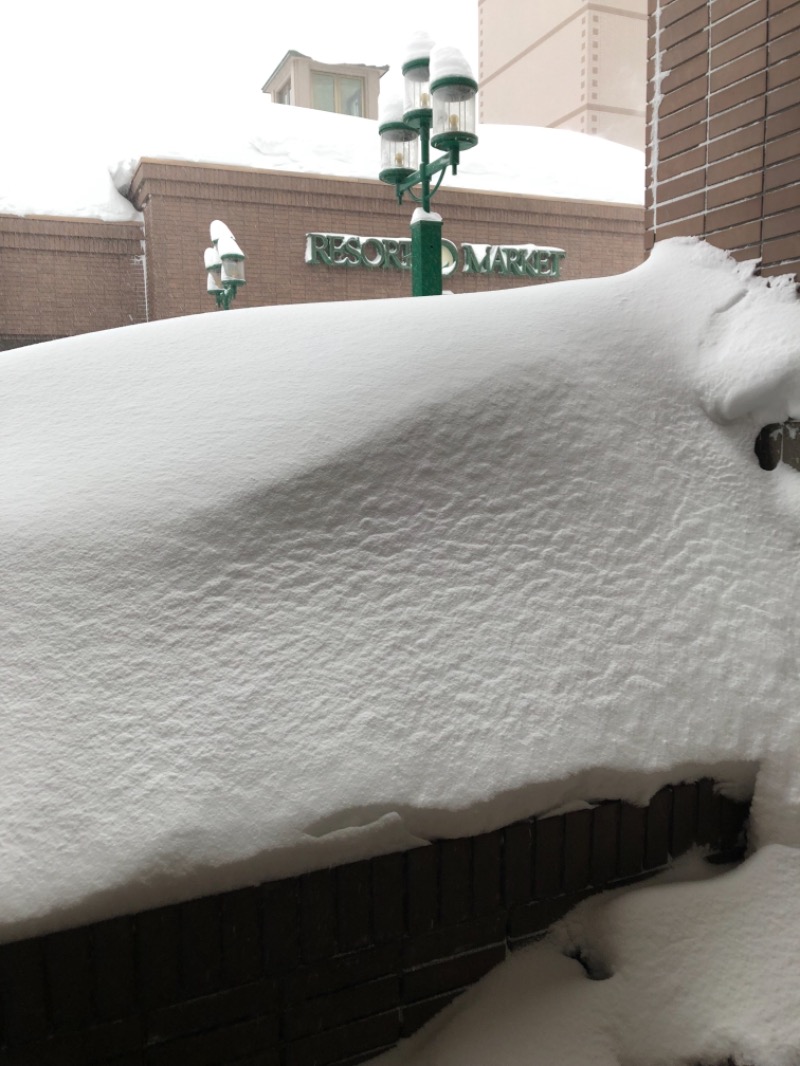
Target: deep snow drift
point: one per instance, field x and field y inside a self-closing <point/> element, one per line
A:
<point x="294" y="585"/>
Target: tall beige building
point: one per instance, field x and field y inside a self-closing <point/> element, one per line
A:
<point x="572" y="64"/>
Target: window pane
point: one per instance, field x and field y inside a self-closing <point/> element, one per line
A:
<point x="322" y="91"/>
<point x="351" y="92"/>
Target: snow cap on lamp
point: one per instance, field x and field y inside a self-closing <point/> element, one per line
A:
<point x="453" y="89"/>
<point x="416" y="75"/>
<point x="218" y="229"/>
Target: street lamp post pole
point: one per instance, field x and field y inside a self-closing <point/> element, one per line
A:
<point x="440" y="77"/>
<point x="426" y="230"/>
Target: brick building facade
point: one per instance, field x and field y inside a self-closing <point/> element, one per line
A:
<point x="271" y="213"/>
<point x="591" y="57"/>
<point x="65" y="276"/>
<point x="723" y="163"/>
<point x="86" y="275"/>
<point x="724" y="126"/>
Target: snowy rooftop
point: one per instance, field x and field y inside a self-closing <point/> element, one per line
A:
<point x="78" y="173"/>
<point x="272" y="602"/>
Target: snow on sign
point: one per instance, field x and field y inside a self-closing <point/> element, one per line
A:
<point x="394" y="253"/>
<point x="301" y="584"/>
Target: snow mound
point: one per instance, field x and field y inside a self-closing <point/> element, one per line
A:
<point x="448" y="62"/>
<point x="293" y="585"/>
<point x="699" y="972"/>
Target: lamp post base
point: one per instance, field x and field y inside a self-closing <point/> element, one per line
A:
<point x="426" y="255"/>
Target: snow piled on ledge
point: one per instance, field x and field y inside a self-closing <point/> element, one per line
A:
<point x="90" y="176"/>
<point x="294" y="585"/>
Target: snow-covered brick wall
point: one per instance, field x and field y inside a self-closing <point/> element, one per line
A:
<point x="296" y="585"/>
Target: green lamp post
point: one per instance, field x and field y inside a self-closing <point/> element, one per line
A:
<point x="224" y="262"/>
<point x="438" y="111"/>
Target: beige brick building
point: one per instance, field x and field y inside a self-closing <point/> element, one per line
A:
<point x="570" y="64"/>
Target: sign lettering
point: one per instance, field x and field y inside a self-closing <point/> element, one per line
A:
<point x="394" y="253"/>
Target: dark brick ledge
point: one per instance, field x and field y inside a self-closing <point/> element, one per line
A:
<point x="337" y="965"/>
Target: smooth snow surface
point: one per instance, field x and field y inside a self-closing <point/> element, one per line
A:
<point x="391" y="108"/>
<point x="73" y="177"/>
<point x="690" y="973"/>
<point x="448" y="62"/>
<point x="292" y="585"/>
<point x="419" y="46"/>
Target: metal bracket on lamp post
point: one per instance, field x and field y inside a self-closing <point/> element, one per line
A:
<point x="426" y="172"/>
<point x="226" y="297"/>
<point x="426" y="232"/>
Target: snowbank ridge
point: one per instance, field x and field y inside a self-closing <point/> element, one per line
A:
<point x="296" y="585"/>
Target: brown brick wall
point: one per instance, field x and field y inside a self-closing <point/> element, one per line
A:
<point x="336" y="965"/>
<point x="270" y="214"/>
<point x="68" y="276"/>
<point x="724" y="138"/>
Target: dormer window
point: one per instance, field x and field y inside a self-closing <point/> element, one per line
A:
<point x="337" y="92"/>
<point x="341" y="88"/>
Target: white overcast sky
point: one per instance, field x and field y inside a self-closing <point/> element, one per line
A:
<point x="87" y="84"/>
<point x="91" y="65"/>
